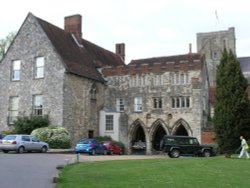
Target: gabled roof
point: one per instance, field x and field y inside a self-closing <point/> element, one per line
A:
<point x="83" y="59"/>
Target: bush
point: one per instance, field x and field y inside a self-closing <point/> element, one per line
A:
<point x="26" y="124"/>
<point x="56" y="136"/>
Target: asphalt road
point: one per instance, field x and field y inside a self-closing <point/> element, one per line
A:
<point x="30" y="170"/>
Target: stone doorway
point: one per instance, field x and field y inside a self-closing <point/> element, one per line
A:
<point x="181" y="131"/>
<point x="157" y="137"/>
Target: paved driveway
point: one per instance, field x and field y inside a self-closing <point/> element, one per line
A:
<point x="29" y="170"/>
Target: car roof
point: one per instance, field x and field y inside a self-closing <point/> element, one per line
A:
<point x="178" y="136"/>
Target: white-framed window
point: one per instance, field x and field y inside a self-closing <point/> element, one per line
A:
<point x="16" y="70"/>
<point x="109" y="122"/>
<point x="39" y="67"/>
<point x="13" y="109"/>
<point x="138" y="104"/>
<point x="120" y="104"/>
<point x="37" y="105"/>
<point x="157" y="102"/>
<point x="181" y="102"/>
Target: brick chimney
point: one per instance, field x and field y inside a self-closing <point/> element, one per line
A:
<point x="73" y="24"/>
<point x="120" y="50"/>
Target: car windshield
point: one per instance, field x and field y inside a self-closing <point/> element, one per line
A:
<point x="9" y="137"/>
<point x="85" y="141"/>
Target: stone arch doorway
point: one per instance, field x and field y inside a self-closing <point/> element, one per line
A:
<point x="159" y="129"/>
<point x="157" y="137"/>
<point x="182" y="128"/>
<point x="181" y="131"/>
<point x="138" y="138"/>
<point x="138" y="134"/>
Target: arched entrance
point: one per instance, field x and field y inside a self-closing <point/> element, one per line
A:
<point x="137" y="137"/>
<point x="138" y="134"/>
<point x="182" y="128"/>
<point x="157" y="137"/>
<point x="181" y="131"/>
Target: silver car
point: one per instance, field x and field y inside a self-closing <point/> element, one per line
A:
<point x="22" y="143"/>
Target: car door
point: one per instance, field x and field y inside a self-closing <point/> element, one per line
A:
<point x="26" y="142"/>
<point x="35" y="143"/>
<point x="193" y="146"/>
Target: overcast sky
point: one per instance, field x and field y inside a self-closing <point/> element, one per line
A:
<point x="149" y="28"/>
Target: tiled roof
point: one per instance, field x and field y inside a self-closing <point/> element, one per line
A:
<point x="244" y="64"/>
<point x="168" y="59"/>
<point x="158" y="64"/>
<point x="81" y="61"/>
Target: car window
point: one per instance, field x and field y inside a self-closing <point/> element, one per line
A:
<point x="183" y="141"/>
<point x="34" y="139"/>
<point x="10" y="137"/>
<point x="193" y="141"/>
<point x="26" y="138"/>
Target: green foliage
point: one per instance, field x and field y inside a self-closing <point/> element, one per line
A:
<point x="56" y="136"/>
<point x="10" y="131"/>
<point x="232" y="109"/>
<point x="5" y="43"/>
<point x="26" y="124"/>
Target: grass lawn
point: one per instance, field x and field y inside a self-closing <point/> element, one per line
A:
<point x="184" y="172"/>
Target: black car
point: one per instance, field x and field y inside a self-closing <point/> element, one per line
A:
<point x="175" y="146"/>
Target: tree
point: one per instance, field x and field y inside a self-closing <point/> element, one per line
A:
<point x="5" y="43"/>
<point x="232" y="107"/>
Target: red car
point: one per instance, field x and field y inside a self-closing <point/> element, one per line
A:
<point x="113" y="148"/>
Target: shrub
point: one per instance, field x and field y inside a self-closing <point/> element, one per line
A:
<point x="56" y="136"/>
<point x="26" y="124"/>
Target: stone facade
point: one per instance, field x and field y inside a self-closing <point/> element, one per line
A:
<point x="30" y="43"/>
<point x="70" y="100"/>
<point x="212" y="44"/>
<point x="150" y="123"/>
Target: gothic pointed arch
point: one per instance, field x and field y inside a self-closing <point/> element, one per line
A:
<point x="158" y="130"/>
<point x="181" y="127"/>
<point x="137" y="132"/>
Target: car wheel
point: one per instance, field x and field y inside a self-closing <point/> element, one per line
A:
<point x="207" y="153"/>
<point x="175" y="153"/>
<point x="44" y="149"/>
<point x="5" y="151"/>
<point x="120" y="153"/>
<point x="111" y="153"/>
<point x="93" y="152"/>
<point x="20" y="149"/>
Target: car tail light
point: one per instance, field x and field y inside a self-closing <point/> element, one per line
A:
<point x="91" y="145"/>
<point x="13" y="142"/>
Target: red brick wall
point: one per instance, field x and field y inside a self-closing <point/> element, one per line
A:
<point x="207" y="137"/>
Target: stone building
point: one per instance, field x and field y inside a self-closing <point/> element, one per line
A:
<point x="212" y="44"/>
<point x="90" y="91"/>
<point x="51" y="71"/>
<point x="149" y="98"/>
